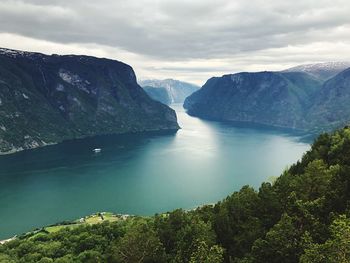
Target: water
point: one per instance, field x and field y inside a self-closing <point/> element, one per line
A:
<point x="140" y="174"/>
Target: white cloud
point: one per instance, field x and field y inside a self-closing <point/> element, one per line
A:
<point x="189" y="40"/>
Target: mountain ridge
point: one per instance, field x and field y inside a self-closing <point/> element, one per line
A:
<point x="45" y="99"/>
<point x="288" y="99"/>
<point x="323" y="71"/>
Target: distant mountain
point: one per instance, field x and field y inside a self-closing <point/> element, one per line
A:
<point x="285" y="99"/>
<point x="177" y="90"/>
<point x="321" y="71"/>
<point x="331" y="105"/>
<point x="271" y="98"/>
<point x="47" y="99"/>
<point x="159" y="94"/>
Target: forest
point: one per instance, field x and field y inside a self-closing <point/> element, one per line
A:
<point x="303" y="216"/>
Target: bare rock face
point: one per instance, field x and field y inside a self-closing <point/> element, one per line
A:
<point x="47" y="99"/>
<point x="168" y="91"/>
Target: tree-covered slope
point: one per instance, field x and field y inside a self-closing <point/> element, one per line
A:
<point x="271" y="98"/>
<point x="331" y="105"/>
<point x="289" y="99"/>
<point x="48" y="99"/>
<point x="301" y="217"/>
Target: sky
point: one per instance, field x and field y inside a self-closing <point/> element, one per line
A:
<point x="189" y="40"/>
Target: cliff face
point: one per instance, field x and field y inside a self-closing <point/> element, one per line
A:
<point x="271" y="98"/>
<point x="48" y="99"/>
<point x="177" y="91"/>
<point x="159" y="94"/>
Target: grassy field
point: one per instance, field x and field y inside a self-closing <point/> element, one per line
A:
<point x="91" y="219"/>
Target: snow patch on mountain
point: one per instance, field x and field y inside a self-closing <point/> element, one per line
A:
<point x="321" y="71"/>
<point x="18" y="53"/>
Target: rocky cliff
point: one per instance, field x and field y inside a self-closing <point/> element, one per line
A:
<point x="177" y="91"/>
<point x="47" y="99"/>
<point x="159" y="94"/>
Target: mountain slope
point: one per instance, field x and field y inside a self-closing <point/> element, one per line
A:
<point x="47" y="99"/>
<point x="272" y="98"/>
<point x="321" y="71"/>
<point x="177" y="90"/>
<point x="331" y="105"/>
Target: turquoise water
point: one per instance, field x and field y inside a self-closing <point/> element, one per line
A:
<point x="140" y="174"/>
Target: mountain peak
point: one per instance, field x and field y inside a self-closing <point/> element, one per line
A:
<point x="17" y="53"/>
<point x="322" y="71"/>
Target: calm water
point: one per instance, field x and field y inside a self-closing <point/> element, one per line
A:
<point x="140" y="174"/>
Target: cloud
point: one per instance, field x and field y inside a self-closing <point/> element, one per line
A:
<point x="191" y="40"/>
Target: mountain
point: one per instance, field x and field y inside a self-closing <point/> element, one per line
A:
<point x="177" y="90"/>
<point x="331" y="105"/>
<point x="47" y="99"/>
<point x="303" y="216"/>
<point x="159" y="94"/>
<point x="321" y="71"/>
<point x="271" y="98"/>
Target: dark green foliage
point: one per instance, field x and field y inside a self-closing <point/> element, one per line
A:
<point x="336" y="249"/>
<point x="280" y="244"/>
<point x="181" y="232"/>
<point x="302" y="217"/>
<point x="140" y="244"/>
<point x="205" y="254"/>
<point x="236" y="221"/>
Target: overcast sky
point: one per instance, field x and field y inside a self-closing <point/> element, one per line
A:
<point x="187" y="40"/>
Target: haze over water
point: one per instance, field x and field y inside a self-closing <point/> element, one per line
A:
<point x="140" y="174"/>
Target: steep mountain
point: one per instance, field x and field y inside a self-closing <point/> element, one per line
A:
<point x="331" y="105"/>
<point x="47" y="99"/>
<point x="160" y="94"/>
<point x="177" y="90"/>
<point x="271" y="98"/>
<point x="321" y="71"/>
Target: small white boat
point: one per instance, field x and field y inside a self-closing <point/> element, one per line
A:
<point x="97" y="150"/>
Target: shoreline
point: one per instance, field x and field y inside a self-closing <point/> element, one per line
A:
<point x="8" y="240"/>
<point x="85" y="220"/>
<point x="21" y="149"/>
<point x="95" y="218"/>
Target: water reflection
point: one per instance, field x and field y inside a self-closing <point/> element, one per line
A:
<point x="140" y="174"/>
